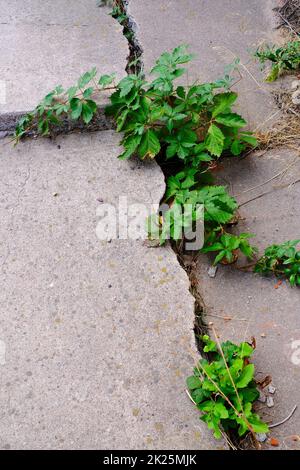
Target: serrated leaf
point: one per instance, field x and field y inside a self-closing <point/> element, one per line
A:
<point x="125" y="86"/>
<point x="88" y="110"/>
<point x="215" y="140"/>
<point x="86" y="78"/>
<point x="130" y="144"/>
<point x="231" y="120"/>
<point x="149" y="146"/>
<point x="76" y="108"/>
<point x="222" y="102"/>
<point x="106" y="80"/>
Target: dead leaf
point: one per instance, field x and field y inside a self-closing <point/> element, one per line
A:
<point x="278" y="284"/>
<point x="264" y="382"/>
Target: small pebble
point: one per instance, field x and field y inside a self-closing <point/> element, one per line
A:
<point x="270" y="402"/>
<point x="212" y="271"/>
<point x="263" y="335"/>
<point x="261" y="437"/>
<point x="262" y="397"/>
<point x="271" y="389"/>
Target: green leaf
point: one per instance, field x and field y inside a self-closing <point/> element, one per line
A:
<point x="198" y="395"/>
<point x="193" y="382"/>
<point x="249" y="139"/>
<point x="215" y="140"/>
<point x="86" y="78"/>
<point x="209" y="344"/>
<point x="257" y="424"/>
<point x="106" y="80"/>
<point x="246" y="376"/>
<point x="150" y="145"/>
<point x="88" y="92"/>
<point x="71" y="92"/>
<point x="222" y="102"/>
<point x="130" y="144"/>
<point x="221" y="410"/>
<point x="237" y="147"/>
<point x="245" y="350"/>
<point x="125" y="86"/>
<point x="88" y="110"/>
<point x="76" y="108"/>
<point x="231" y="120"/>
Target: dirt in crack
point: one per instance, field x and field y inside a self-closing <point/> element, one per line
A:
<point x="134" y="59"/>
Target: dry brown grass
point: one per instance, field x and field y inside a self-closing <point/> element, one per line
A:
<point x="285" y="133"/>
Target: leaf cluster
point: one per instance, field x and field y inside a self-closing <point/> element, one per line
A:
<point x="282" y="260"/>
<point x="284" y="58"/>
<point x="77" y="102"/>
<point x="193" y="124"/>
<point x="227" y="246"/>
<point x="224" y="389"/>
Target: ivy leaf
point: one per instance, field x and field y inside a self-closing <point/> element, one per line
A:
<point x="126" y="85"/>
<point x="246" y="376"/>
<point x="130" y="144"/>
<point x="249" y="139"/>
<point x="106" y="80"/>
<point x="88" y="110"/>
<point x="215" y="140"/>
<point x="76" y="108"/>
<point x="222" y="102"/>
<point x="88" y="92"/>
<point x="237" y="147"/>
<point x="87" y="77"/>
<point x="231" y="120"/>
<point x="150" y="145"/>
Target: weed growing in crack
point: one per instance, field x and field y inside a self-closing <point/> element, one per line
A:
<point x="283" y="59"/>
<point x="192" y="127"/>
<point x="224" y="389"/>
<point x="77" y="102"/>
<point x="282" y="261"/>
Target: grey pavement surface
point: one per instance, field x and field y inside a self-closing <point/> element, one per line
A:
<point x="217" y="31"/>
<point x="49" y="43"/>
<point x="98" y="336"/>
<point x="258" y="306"/>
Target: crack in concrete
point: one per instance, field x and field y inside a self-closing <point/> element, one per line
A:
<point x="101" y="122"/>
<point x="12" y="214"/>
<point x="136" y="50"/>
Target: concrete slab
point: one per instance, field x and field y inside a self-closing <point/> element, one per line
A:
<point x="256" y="306"/>
<point x="96" y="338"/>
<point x="217" y="31"/>
<point x="43" y="44"/>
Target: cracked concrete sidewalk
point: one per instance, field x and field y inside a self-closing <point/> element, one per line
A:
<point x="96" y="338"/>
